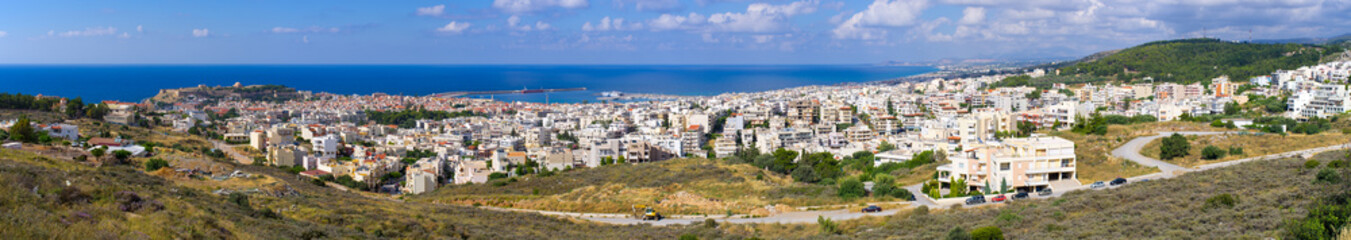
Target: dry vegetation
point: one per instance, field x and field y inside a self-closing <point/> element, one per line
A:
<point x="1095" y="160"/>
<point x="679" y="186"/>
<point x="1253" y="145"/>
<point x="1269" y="194"/>
<point x="123" y="202"/>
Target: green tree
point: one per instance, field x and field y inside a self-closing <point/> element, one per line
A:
<point x="1174" y="146"/>
<point x="23" y="131"/>
<point x="987" y="233"/>
<point x="1212" y="153"/>
<point x="97" y="152"/>
<point x="155" y="164"/>
<point x="75" y="108"/>
<point x="121" y="155"/>
<point x="883" y="184"/>
<point x="851" y="188"/>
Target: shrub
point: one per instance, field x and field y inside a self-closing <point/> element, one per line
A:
<point x="121" y="155"/>
<point x="1337" y="164"/>
<point x="827" y="226"/>
<point x="851" y="188"/>
<point x="1212" y="153"/>
<point x="1311" y="164"/>
<point x="1174" y="146"/>
<point x="710" y="223"/>
<point x="987" y="233"/>
<point x="958" y="234"/>
<point x="155" y="164"/>
<point x="883" y="185"/>
<point x="1223" y="200"/>
<point x="1328" y="175"/>
<point x="1235" y="151"/>
<point x="920" y="211"/>
<point x="688" y="236"/>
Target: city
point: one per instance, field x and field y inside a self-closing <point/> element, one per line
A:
<point x="759" y="132"/>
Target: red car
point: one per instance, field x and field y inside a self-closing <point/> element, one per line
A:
<point x="999" y="198"/>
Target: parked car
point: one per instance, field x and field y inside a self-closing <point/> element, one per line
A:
<point x="1044" y="192"/>
<point x="999" y="198"/>
<point x="872" y="208"/>
<point x="1118" y="181"/>
<point x="977" y="199"/>
<point x="1020" y="195"/>
<point x="1097" y="184"/>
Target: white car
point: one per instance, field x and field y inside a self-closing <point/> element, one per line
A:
<point x="1097" y="185"/>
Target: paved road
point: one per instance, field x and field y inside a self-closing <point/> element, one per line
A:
<point x="790" y="217"/>
<point x="1131" y="151"/>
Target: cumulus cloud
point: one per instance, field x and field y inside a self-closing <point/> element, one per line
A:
<point x="201" y="32"/>
<point x="431" y="11"/>
<point x="972" y="15"/>
<point x="87" y="32"/>
<point x="871" y="23"/>
<point x="139" y="28"/>
<point x="454" y="27"/>
<point x="312" y="29"/>
<point x="523" y="6"/>
<point x="649" y="5"/>
<point x="758" y="18"/>
<point x="611" y="24"/>
<point x="514" y="23"/>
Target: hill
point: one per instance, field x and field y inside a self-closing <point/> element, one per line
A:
<point x="1196" y="60"/>
<point x="58" y="198"/>
<point x="1275" y="199"/>
<point x="678" y="186"/>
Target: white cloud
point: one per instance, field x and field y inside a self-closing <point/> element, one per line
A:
<point x="758" y="18"/>
<point x="541" y="25"/>
<point x="87" y="32"/>
<point x="649" y="5"/>
<point x="871" y="22"/>
<point x="312" y="29"/>
<point x="522" y="6"/>
<point x="454" y="27"/>
<point x="972" y="15"/>
<point x="305" y="39"/>
<point x="3" y="34"/>
<point x="139" y="28"/>
<point x="673" y="22"/>
<point x="200" y="32"/>
<point x="609" y="24"/>
<point x="431" y="11"/>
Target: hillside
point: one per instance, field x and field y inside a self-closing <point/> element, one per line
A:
<point x="57" y="198"/>
<point x="1267" y="197"/>
<point x="679" y="186"/>
<point x="1195" y="60"/>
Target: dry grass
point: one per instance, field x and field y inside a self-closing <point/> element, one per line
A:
<point x="1270" y="193"/>
<point x="1095" y="160"/>
<point x="1253" y="145"/>
<point x="679" y="186"/>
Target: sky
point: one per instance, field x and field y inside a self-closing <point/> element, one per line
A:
<point x="628" y="31"/>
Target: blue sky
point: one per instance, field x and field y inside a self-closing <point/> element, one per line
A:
<point x="627" y="31"/>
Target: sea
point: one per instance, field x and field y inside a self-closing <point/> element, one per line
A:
<point x="133" y="83"/>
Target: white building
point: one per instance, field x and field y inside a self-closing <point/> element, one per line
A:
<point x="1026" y="164"/>
<point x="326" y="146"/>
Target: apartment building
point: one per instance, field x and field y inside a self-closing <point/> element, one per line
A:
<point x="1025" y="164"/>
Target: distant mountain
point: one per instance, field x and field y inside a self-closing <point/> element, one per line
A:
<point x="1335" y="39"/>
<point x="1193" y="60"/>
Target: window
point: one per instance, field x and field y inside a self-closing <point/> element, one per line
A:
<point x="1003" y="166"/>
<point x="1064" y="163"/>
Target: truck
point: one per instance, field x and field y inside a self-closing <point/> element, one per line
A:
<point x="647" y="213"/>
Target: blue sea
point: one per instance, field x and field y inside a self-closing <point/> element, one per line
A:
<point x="137" y="82"/>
